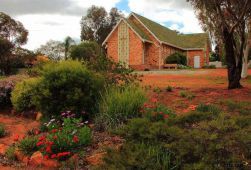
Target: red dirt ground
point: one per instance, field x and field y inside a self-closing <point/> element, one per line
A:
<point x="208" y="86"/>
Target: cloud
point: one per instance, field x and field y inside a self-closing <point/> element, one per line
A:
<point x="64" y="7"/>
<point x="176" y="12"/>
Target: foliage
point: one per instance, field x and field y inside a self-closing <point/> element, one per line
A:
<point x="10" y="153"/>
<point x="60" y="143"/>
<point x="117" y="105"/>
<point x="155" y="111"/>
<point x="97" y="24"/>
<point x="138" y="156"/>
<point x="169" y="88"/>
<point x="209" y="67"/>
<point x="68" y="43"/>
<point x="240" y="107"/>
<point x="12" y="36"/>
<point x="176" y="58"/>
<point x="6" y="86"/>
<point x="55" y="50"/>
<point x="203" y="139"/>
<point x="2" y="130"/>
<point x="23" y="93"/>
<point x="28" y="145"/>
<point x="68" y="85"/>
<point x="180" y="66"/>
<point x="186" y="94"/>
<point x="86" y="51"/>
<point x="214" y="57"/>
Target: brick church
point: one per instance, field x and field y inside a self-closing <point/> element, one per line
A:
<point x="144" y="44"/>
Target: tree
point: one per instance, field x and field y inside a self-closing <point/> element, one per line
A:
<point x="227" y="20"/>
<point x="244" y="72"/>
<point x="55" y="50"/>
<point x="97" y="23"/>
<point x="68" y="42"/>
<point x="86" y="51"/>
<point x="12" y="36"/>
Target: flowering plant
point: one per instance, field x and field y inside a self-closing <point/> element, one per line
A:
<point x="62" y="142"/>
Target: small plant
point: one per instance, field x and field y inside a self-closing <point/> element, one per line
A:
<point x="10" y="153"/>
<point x="169" y="88"/>
<point x="209" y="67"/>
<point x="157" y="90"/>
<point x="28" y="145"/>
<point x="120" y="104"/>
<point x="2" y="130"/>
<point x="186" y="94"/>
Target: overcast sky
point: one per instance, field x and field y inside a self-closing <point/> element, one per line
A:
<point x="56" y="19"/>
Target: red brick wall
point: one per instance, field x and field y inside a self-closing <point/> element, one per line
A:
<point x="192" y="54"/>
<point x="135" y="48"/>
<point x="112" y="46"/>
<point x="151" y="49"/>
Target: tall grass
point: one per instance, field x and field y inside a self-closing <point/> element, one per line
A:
<point x="120" y="104"/>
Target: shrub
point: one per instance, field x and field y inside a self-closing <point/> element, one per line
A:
<point x="169" y="88"/>
<point x="186" y="94"/>
<point x="28" y="145"/>
<point x="6" y="86"/>
<point x="2" y="130"/>
<point x="10" y="153"/>
<point x="23" y="93"/>
<point x="203" y="139"/>
<point x="68" y="85"/>
<point x="209" y="67"/>
<point x="180" y="66"/>
<point x="176" y="58"/>
<point x="120" y="104"/>
<point x="87" y="51"/>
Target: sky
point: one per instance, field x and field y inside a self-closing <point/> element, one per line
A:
<point x="56" y="19"/>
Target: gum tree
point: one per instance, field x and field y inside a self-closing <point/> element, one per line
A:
<point x="227" y="20"/>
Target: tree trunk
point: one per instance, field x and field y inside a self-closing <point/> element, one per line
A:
<point x="244" y="72"/>
<point x="234" y="66"/>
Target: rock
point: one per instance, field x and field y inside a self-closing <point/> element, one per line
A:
<point x="3" y="149"/>
<point x="39" y="116"/>
<point x="50" y="163"/>
<point x="36" y="159"/>
<point x="95" y="159"/>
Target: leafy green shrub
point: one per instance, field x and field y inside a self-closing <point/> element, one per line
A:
<point x="180" y="66"/>
<point x="186" y="94"/>
<point x="28" y="145"/>
<point x="203" y="139"/>
<point x="157" y="90"/>
<point x="87" y="51"/>
<point x="138" y="156"/>
<point x="176" y="58"/>
<point x="169" y="88"/>
<point x="120" y="104"/>
<point x="68" y="85"/>
<point x="21" y="96"/>
<point x="2" y="130"/>
<point x="10" y="153"/>
<point x="209" y="67"/>
<point x="241" y="107"/>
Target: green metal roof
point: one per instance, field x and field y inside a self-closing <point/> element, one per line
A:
<point x="172" y="37"/>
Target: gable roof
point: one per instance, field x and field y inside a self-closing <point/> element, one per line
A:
<point x="170" y="37"/>
<point x="139" y="32"/>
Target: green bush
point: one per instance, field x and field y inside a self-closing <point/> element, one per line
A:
<point x="120" y="104"/>
<point x="169" y="88"/>
<point x="86" y="51"/>
<point x="2" y="130"/>
<point x="187" y="94"/>
<point x="203" y="139"/>
<point x="176" y="58"/>
<point x="21" y="96"/>
<point x="10" y="153"/>
<point x="209" y="67"/>
<point x="28" y="145"/>
<point x="68" y="85"/>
